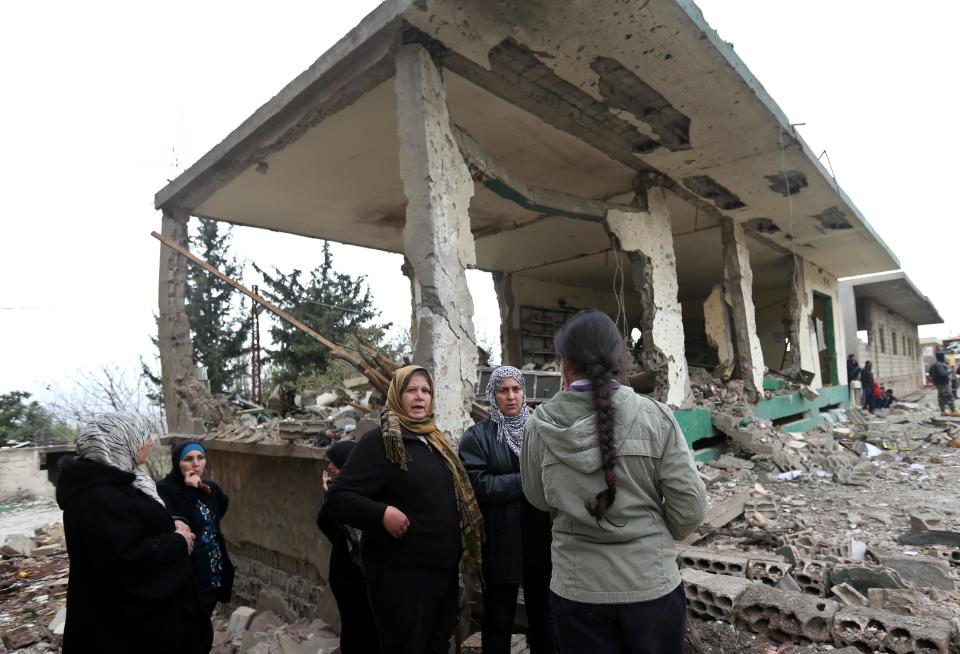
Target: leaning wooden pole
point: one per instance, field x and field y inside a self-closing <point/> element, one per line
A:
<point x="379" y="381"/>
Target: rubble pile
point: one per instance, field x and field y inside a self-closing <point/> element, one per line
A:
<point x="265" y="631"/>
<point x="845" y="536"/>
<point x="33" y="590"/>
<point x="311" y="417"/>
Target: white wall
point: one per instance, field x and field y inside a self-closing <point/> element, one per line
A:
<point x="20" y="473"/>
<point x="903" y="369"/>
<point x="818" y="280"/>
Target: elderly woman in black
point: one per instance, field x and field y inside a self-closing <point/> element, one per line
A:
<point x="405" y="487"/>
<point x="131" y="585"/>
<point x="517" y="547"/>
<point x="200" y="505"/>
<point x="358" y="632"/>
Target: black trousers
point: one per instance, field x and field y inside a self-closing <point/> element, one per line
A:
<point x="499" y="606"/>
<point x="415" y="608"/>
<point x="358" y="631"/>
<point x="654" y="627"/>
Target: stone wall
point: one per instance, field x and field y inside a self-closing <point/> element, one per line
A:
<point x="894" y="347"/>
<point x="271" y="528"/>
<point x="20" y="473"/>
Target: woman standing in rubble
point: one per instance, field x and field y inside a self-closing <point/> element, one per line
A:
<point x="200" y="505"/>
<point x="358" y="632"/>
<point x="615" y="585"/>
<point x="517" y="546"/>
<point x="405" y="488"/>
<point x="131" y="584"/>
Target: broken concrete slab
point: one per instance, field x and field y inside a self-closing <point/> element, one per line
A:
<point x="932" y="537"/>
<point x="925" y="522"/>
<point x="924" y="571"/>
<point x="721" y="514"/>
<point x="730" y="462"/>
<point x="863" y="577"/>
<point x="848" y="595"/>
<point x="907" y="602"/>
<point x="881" y="630"/>
<point x="771" y="612"/>
<point x="263" y="621"/>
<point x="18" y="545"/>
<point x="58" y="623"/>
<point x="240" y="620"/>
<point x="712" y="596"/>
<point x="270" y="599"/>
<point x="45" y="550"/>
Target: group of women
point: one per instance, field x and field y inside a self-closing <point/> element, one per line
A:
<point x="579" y="502"/>
<point x="148" y="562"/>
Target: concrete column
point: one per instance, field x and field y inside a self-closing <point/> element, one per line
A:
<point x="510" y="335"/>
<point x="437" y="239"/>
<point x="716" y="315"/>
<point x="738" y="283"/>
<point x="176" y="346"/>
<point x="795" y="309"/>
<point x="648" y="239"/>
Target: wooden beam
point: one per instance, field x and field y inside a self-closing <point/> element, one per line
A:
<point x="720" y="515"/>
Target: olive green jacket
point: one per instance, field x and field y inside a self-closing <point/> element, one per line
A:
<point x="660" y="497"/>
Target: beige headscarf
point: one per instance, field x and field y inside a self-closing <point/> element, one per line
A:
<point x="393" y="419"/>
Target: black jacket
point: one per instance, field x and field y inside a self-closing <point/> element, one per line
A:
<point x="940" y="373"/>
<point x="131" y="587"/>
<point x="867" y="379"/>
<point x="517" y="534"/>
<point x="181" y="501"/>
<point x="368" y="483"/>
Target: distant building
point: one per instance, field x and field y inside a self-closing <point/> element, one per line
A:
<point x="881" y="314"/>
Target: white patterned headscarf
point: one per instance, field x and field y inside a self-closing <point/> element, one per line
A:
<point x="508" y="429"/>
<point x="115" y="439"/>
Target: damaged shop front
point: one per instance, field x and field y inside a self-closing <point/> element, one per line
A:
<point x="638" y="167"/>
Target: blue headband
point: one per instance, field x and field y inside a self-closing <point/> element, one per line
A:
<point x="192" y="447"/>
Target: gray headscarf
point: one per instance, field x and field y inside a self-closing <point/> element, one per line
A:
<point x="508" y="429"/>
<point x="115" y="439"/>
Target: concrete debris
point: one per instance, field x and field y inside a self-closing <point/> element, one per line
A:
<point x="881" y="630"/>
<point x="713" y="596"/>
<point x="18" y="545"/>
<point x="848" y="595"/>
<point x="268" y="633"/>
<point x="770" y="611"/>
<point x="240" y="620"/>
<point x="921" y="571"/>
<point x="925" y="522"/>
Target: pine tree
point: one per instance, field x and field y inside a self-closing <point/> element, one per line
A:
<point x="334" y="304"/>
<point x="220" y="335"/>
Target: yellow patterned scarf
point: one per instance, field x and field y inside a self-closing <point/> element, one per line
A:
<point x="392" y="420"/>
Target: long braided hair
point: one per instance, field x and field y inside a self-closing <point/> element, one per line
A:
<point x="591" y="342"/>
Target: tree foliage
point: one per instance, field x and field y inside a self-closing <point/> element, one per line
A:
<point x="220" y="332"/>
<point x="25" y="420"/>
<point x="334" y="304"/>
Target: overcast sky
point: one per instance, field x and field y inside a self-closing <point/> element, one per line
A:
<point x="104" y="102"/>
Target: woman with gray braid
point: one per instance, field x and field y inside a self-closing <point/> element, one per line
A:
<point x="614" y="469"/>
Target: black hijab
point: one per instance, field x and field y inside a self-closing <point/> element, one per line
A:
<point x="337" y="453"/>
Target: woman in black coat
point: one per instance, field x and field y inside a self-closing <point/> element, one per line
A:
<point x="200" y="505"/>
<point x="404" y="486"/>
<point x="517" y="548"/>
<point x="131" y="587"/>
<point x="358" y="632"/>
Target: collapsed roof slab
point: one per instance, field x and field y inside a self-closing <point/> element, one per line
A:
<point x="647" y="89"/>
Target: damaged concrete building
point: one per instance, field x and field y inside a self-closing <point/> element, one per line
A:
<point x="881" y="314"/>
<point x="603" y="154"/>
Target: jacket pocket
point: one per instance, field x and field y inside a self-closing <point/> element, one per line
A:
<point x="640" y="447"/>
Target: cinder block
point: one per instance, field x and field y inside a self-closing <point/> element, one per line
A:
<point x="712" y="596"/>
<point x="811" y="576"/>
<point x="716" y="561"/>
<point x="881" y="630"/>
<point x="786" y="616"/>
<point x="768" y="570"/>
<point x="765" y="505"/>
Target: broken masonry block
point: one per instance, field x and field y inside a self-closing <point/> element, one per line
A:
<point x="768" y="569"/>
<point x="864" y="577"/>
<point x="240" y="620"/>
<point x="811" y="576"/>
<point x="924" y="571"/>
<point x="715" y="561"/>
<point x="909" y="602"/>
<point x="712" y="596"/>
<point x="925" y="522"/>
<point x="881" y="630"/>
<point x="786" y="616"/>
<point x="765" y="505"/>
<point x="710" y="475"/>
<point x="848" y="595"/>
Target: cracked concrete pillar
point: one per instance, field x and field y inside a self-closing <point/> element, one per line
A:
<point x="510" y="335"/>
<point x="738" y="283"/>
<point x="716" y="316"/>
<point x="176" y="345"/>
<point x="436" y="237"/>
<point x="795" y="317"/>
<point x="648" y="239"/>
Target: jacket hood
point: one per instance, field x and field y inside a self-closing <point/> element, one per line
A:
<point x="78" y="475"/>
<point x="567" y="425"/>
